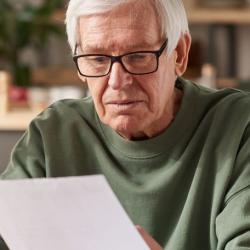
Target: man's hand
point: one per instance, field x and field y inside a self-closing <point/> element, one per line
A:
<point x="148" y="239"/>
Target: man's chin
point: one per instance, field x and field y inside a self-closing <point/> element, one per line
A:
<point x="126" y="126"/>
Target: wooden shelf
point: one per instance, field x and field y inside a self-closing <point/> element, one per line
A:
<point x="56" y="76"/>
<point x="199" y="15"/>
<point x="16" y="120"/>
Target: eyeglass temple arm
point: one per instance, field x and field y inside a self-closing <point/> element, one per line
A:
<point x="164" y="45"/>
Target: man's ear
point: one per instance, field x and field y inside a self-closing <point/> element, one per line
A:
<point x="181" y="55"/>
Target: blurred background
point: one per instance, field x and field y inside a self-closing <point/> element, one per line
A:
<point x="36" y="67"/>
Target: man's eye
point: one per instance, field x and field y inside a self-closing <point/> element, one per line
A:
<point x="98" y="59"/>
<point x="137" y="56"/>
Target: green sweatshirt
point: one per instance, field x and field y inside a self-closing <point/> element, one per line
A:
<point x="188" y="187"/>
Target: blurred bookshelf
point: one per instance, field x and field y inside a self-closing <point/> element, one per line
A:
<point x="222" y="24"/>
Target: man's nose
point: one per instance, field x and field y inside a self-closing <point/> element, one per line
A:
<point x="118" y="77"/>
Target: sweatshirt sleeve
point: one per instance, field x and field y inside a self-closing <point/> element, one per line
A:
<point x="233" y="223"/>
<point x="3" y="246"/>
<point x="27" y="158"/>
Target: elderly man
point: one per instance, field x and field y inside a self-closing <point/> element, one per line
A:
<point x="176" y="154"/>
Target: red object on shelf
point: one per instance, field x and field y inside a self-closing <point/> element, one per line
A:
<point x="18" y="96"/>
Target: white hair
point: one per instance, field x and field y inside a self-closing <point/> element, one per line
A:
<point x="172" y="17"/>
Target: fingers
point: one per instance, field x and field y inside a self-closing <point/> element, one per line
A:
<point x="148" y="239"/>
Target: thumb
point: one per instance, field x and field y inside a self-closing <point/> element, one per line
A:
<point x="148" y="239"/>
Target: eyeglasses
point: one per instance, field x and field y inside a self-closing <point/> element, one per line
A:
<point x="136" y="63"/>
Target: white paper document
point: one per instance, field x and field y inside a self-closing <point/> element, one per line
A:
<point x="72" y="213"/>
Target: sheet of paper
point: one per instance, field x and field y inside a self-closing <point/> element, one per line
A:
<point x="72" y="213"/>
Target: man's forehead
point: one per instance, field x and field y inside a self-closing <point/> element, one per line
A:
<point x="127" y="15"/>
<point x="103" y="31"/>
<point x="116" y="20"/>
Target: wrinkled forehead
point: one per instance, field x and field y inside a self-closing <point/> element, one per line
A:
<point x="133" y="11"/>
<point x="134" y="20"/>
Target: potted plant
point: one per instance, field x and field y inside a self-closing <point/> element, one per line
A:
<point x="22" y="26"/>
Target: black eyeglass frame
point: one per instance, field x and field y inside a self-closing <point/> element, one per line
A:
<point x="118" y="59"/>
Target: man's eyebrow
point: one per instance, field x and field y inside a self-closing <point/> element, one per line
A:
<point x="127" y="47"/>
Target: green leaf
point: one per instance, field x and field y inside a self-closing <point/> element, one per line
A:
<point x="23" y="33"/>
<point x="29" y="25"/>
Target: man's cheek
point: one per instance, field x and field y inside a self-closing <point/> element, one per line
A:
<point x="100" y="108"/>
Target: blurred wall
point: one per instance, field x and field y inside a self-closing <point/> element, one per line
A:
<point x="7" y="142"/>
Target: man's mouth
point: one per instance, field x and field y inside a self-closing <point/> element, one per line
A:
<point x="125" y="104"/>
